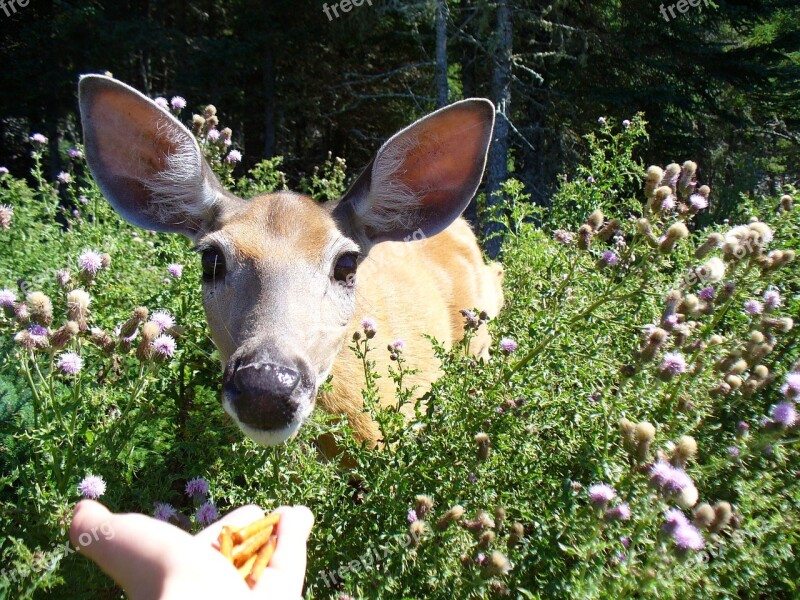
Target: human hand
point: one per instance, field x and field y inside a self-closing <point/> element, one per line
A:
<point x="153" y="559"/>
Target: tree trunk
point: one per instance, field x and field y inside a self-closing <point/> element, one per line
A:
<point x="442" y="90"/>
<point x="497" y="167"/>
<point x="269" y="103"/>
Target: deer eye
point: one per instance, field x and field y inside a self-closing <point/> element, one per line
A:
<point x="213" y="264"/>
<point x="344" y="270"/>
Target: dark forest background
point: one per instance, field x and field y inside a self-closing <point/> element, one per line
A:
<point x="718" y="83"/>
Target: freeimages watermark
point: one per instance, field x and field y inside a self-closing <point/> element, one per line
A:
<point x="344" y="5"/>
<point x="9" y="7"/>
<point x="683" y="7"/>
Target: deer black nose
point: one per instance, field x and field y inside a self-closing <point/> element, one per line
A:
<point x="263" y="393"/>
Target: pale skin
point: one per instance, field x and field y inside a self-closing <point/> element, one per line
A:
<point x="153" y="559"/>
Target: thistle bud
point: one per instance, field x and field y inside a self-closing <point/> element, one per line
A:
<point x="595" y="220"/>
<point x="676" y="232"/>
<point x="585" y="237"/>
<point x="704" y="191"/>
<point x="734" y="381"/>
<point x="424" y="504"/>
<point x="654" y="177"/>
<point x="516" y="535"/>
<point x="739" y="367"/>
<point x="662" y="199"/>
<point x="703" y="516"/>
<point x="671" y="174"/>
<point x="21" y="313"/>
<point x="105" y="260"/>
<point x="78" y="307"/>
<point x="684" y="451"/>
<point x="451" y="516"/>
<point x="686" y="183"/>
<point x="416" y="531"/>
<point x="64" y="334"/>
<point x="482" y="522"/>
<point x="723" y="512"/>
<point x="102" y="340"/>
<point x="483" y="442"/>
<point x="645" y="229"/>
<point x="209" y="111"/>
<point x="497" y="564"/>
<point x="608" y="230"/>
<point x="144" y="351"/>
<point x="197" y="124"/>
<point x="713" y="242"/>
<point x="225" y="134"/>
<point x="150" y="331"/>
<point x="645" y="434"/>
<point x="690" y="305"/>
<point x="783" y="325"/>
<point x="787" y="203"/>
<point x="499" y="517"/>
<point x="487" y="539"/>
<point x="41" y="308"/>
<point x="628" y="430"/>
<point x="211" y="123"/>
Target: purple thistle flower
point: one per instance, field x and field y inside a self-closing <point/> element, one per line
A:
<point x="368" y="324"/>
<point x="83" y="200"/>
<point x="4" y="171"/>
<point x="590" y="179"/>
<point x="398" y="345"/>
<point x="234" y="156"/>
<point x="70" y="363"/>
<point x="671" y="321"/>
<point x="64" y="177"/>
<point x="621" y="512"/>
<point x="600" y="494"/>
<point x="508" y="345"/>
<point x="7" y="298"/>
<point x="163" y="319"/>
<point x="677" y="480"/>
<point x="601" y="120"/>
<point x="213" y="134"/>
<point x="687" y="537"/>
<point x="660" y="472"/>
<point x="412" y="516"/>
<point x="753" y="307"/>
<point x="733" y="451"/>
<point x="162" y="103"/>
<point x="175" y="270"/>
<point x="164" y="345"/>
<point x="38" y="333"/>
<point x="563" y="237"/>
<point x="626" y="542"/>
<point x="742" y="428"/>
<point x="698" y="202"/>
<point x="207" y="514"/>
<point x="669" y="203"/>
<point x="197" y="487"/>
<point x="626" y="123"/>
<point x="90" y="261"/>
<point x="164" y="511"/>
<point x="472" y="478"/>
<point x="784" y="414"/>
<point x="38" y="138"/>
<point x="707" y="294"/>
<point x="673" y="519"/>
<point x="74" y="153"/>
<point x="178" y="102"/>
<point x="772" y="299"/>
<point x="610" y="258"/>
<point x="791" y="388"/>
<point x="92" y="486"/>
<point x="673" y="364"/>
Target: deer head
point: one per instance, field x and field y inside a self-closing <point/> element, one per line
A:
<point x="279" y="270"/>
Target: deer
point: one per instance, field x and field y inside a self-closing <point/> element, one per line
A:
<point x="287" y="281"/>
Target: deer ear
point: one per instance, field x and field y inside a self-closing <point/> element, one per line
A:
<point x="146" y="163"/>
<point x="423" y="177"/>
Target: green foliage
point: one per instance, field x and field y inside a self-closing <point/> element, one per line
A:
<point x="516" y="441"/>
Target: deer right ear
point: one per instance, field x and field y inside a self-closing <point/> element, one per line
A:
<point x="146" y="163"/>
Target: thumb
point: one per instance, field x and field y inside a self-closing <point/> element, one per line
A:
<point x="128" y="547"/>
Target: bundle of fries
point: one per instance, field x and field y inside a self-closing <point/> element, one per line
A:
<point x="250" y="548"/>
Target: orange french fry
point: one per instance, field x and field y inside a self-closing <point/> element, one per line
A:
<point x="254" y="528"/>
<point x="226" y="542"/>
<point x="242" y="553"/>
<point x="245" y="569"/>
<point x="262" y="561"/>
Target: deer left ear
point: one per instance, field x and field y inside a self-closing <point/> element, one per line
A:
<point x="422" y="178"/>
